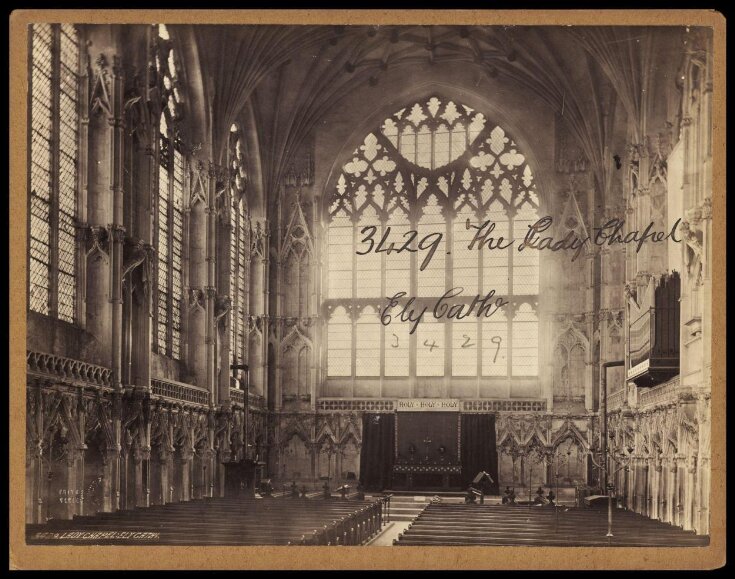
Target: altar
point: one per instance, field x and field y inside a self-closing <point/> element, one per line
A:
<point x="427" y="445"/>
<point x="427" y="449"/>
<point x="427" y="476"/>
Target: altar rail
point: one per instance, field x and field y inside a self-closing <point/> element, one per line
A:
<point x="180" y="392"/>
<point x="353" y="529"/>
<point x="389" y="405"/>
<point x="67" y="369"/>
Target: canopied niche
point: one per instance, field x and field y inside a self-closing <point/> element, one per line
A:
<point x="296" y="376"/>
<point x="570" y="366"/>
<point x="297" y="260"/>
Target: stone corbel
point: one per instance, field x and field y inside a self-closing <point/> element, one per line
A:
<point x="135" y="252"/>
<point x="100" y="101"/>
<point x="199" y="185"/>
<point x="225" y="203"/>
<point x="222" y="307"/>
<point x="117" y="233"/>
<point x="257" y="240"/>
<point x="196" y="299"/>
<point x="255" y="325"/>
<point x="98" y="242"/>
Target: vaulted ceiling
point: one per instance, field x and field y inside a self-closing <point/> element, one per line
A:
<point x="585" y="74"/>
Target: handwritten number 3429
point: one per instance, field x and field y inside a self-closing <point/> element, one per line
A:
<point x="429" y="242"/>
<point x="497" y="340"/>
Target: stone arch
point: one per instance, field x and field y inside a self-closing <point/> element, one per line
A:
<point x="405" y="96"/>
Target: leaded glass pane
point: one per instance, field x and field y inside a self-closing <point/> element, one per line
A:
<point x="525" y="342"/>
<point x="340" y="258"/>
<point x="464" y="347"/>
<point x="398" y="264"/>
<point x="526" y="262"/>
<point x="496" y="261"/>
<point x="495" y="345"/>
<point x="54" y="135"/>
<point x="339" y="344"/>
<point x="430" y="348"/>
<point x="466" y="262"/>
<point x="396" y="348"/>
<point x="369" y="264"/>
<point x="367" y="344"/>
<point x="41" y="123"/>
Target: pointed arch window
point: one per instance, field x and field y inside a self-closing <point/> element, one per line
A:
<point x="433" y="167"/>
<point x="54" y="175"/>
<point x="169" y="204"/>
<point x="239" y="244"/>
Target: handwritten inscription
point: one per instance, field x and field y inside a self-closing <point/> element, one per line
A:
<point x="409" y="312"/>
<point x="611" y="233"/>
<point x="429" y="242"/>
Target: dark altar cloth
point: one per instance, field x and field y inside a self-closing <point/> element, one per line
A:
<point x="378" y="451"/>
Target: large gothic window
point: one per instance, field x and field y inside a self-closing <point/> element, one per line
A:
<point x="239" y="243"/>
<point x="54" y="92"/>
<point x="434" y="167"/>
<point x="169" y="204"/>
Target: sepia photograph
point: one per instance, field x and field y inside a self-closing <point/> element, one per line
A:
<point x="372" y="284"/>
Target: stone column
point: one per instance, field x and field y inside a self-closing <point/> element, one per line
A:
<point x="196" y="339"/>
<point x="679" y="487"/>
<point x="117" y="230"/>
<point x="139" y="263"/>
<point x="224" y="451"/>
<point x="640" y="480"/>
<point x="34" y="454"/>
<point x="34" y="484"/>
<point x="631" y="485"/>
<point x="314" y="448"/>
<point x="111" y="481"/>
<point x="99" y="205"/>
<point x="210" y="338"/>
<point x="258" y="295"/>
<point x="689" y="495"/>
<point x="73" y="479"/>
<point x="702" y="526"/>
<point x="160" y="482"/>
<point x="182" y="474"/>
<point x="139" y="477"/>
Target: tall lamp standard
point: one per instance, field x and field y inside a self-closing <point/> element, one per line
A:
<point x="624" y="461"/>
<point x="603" y="466"/>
